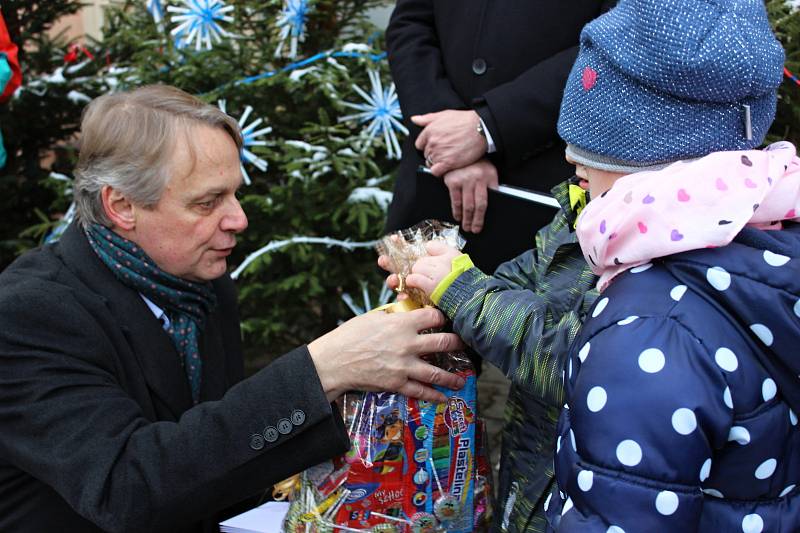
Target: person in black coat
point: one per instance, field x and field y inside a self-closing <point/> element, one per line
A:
<point x="122" y="403"/>
<point x="482" y="82"/>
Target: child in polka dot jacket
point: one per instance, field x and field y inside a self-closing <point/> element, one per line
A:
<point x="683" y="385"/>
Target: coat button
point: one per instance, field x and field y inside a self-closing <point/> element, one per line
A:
<point x="271" y="434"/>
<point x="298" y="417"/>
<point x="479" y="66"/>
<point x="284" y="426"/>
<point x="256" y="441"/>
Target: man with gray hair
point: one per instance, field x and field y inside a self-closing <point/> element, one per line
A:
<point x="122" y="403"/>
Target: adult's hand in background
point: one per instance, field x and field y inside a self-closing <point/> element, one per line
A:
<point x="449" y="139"/>
<point x="469" y="193"/>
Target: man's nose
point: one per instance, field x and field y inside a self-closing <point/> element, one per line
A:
<point x="234" y="220"/>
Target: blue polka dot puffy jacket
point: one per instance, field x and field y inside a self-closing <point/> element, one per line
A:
<point x="683" y="396"/>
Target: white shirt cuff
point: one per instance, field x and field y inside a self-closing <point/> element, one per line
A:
<point x="490" y="146"/>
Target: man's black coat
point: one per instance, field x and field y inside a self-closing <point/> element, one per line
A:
<point x="508" y="61"/>
<point x="97" y="428"/>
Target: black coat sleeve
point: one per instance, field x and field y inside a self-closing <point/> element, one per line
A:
<point x="522" y="114"/>
<point x="66" y="421"/>
<point x="415" y="59"/>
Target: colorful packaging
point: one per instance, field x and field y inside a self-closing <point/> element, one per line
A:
<point x="414" y="466"/>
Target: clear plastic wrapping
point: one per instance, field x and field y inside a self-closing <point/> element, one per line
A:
<point x="405" y="247"/>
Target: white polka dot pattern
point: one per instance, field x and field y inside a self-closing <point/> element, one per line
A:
<point x="773" y="259"/>
<point x="596" y="399"/>
<point x="585" y="480"/>
<point x="584" y="352"/>
<point x="768" y="389"/>
<point x="651" y="360"/>
<point x="766" y="469"/>
<point x="763" y="333"/>
<point x="684" y="421"/>
<point x="726" y="359"/>
<point x="629" y="453"/>
<point x="601" y="305"/>
<point x="567" y="507"/>
<point x="739" y="434"/>
<point x="641" y="413"/>
<point x="677" y="292"/>
<point x="719" y="278"/>
<point x="705" y="470"/>
<point x="666" y="502"/>
<point x="752" y="523"/>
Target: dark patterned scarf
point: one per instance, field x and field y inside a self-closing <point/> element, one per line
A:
<point x="187" y="303"/>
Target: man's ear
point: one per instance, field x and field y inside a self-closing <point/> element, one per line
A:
<point x="118" y="208"/>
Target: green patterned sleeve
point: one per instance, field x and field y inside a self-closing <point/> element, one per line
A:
<point x="503" y="319"/>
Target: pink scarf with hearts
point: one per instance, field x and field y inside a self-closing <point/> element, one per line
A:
<point x="687" y="206"/>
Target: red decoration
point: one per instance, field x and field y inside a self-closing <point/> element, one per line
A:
<point x="10" y="50"/>
<point x="589" y="78"/>
<point x="788" y="74"/>
<point x="74" y="52"/>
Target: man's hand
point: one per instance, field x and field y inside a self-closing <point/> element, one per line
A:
<point x="428" y="271"/>
<point x="381" y="352"/>
<point x="469" y="194"/>
<point x="449" y="139"/>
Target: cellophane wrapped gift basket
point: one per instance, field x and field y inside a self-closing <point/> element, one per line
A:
<point x="413" y="466"/>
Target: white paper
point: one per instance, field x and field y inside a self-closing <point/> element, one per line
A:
<point x="527" y="194"/>
<point x="265" y="518"/>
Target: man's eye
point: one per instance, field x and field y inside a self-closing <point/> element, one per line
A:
<point x="207" y="205"/>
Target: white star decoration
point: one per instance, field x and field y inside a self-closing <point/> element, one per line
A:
<point x="292" y="24"/>
<point x="251" y="138"/>
<point x="156" y="10"/>
<point x="382" y="111"/>
<point x="198" y="22"/>
<point x="384" y="296"/>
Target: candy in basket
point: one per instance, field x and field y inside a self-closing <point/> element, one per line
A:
<point x="414" y="466"/>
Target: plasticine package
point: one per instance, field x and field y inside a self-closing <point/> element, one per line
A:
<point x="413" y="466"/>
<point x="415" y="462"/>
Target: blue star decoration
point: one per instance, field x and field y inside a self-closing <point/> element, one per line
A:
<point x="251" y="137"/>
<point x="381" y="112"/>
<point x="199" y="22"/>
<point x="292" y="25"/>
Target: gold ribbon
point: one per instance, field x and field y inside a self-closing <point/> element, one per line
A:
<point x="286" y="489"/>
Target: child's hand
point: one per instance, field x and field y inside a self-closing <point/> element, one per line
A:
<point x="428" y="271"/>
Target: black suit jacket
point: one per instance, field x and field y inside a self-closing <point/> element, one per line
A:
<point x="97" y="428"/>
<point x="509" y="62"/>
